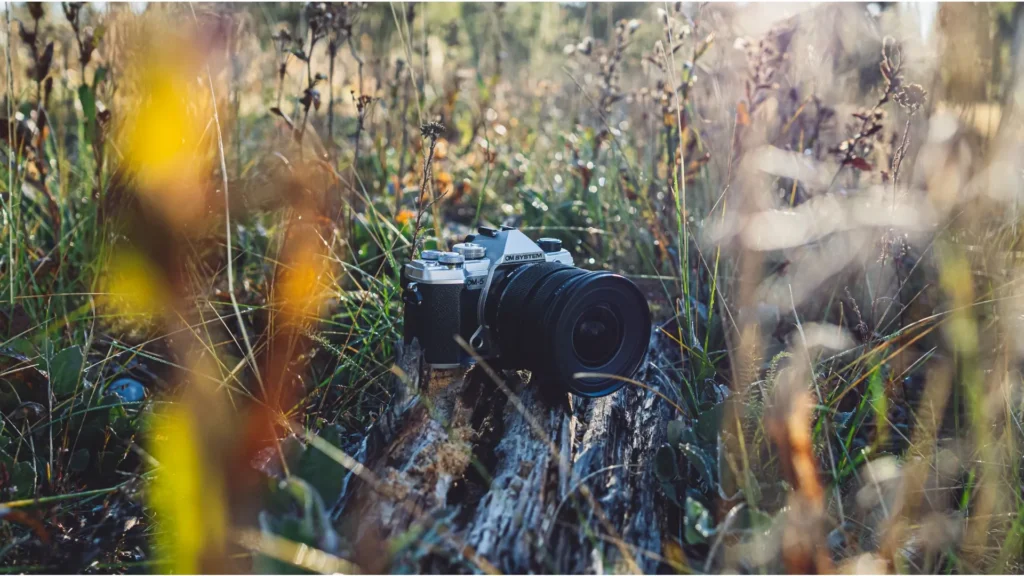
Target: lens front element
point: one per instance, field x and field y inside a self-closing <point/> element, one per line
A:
<point x="560" y="321"/>
<point x="597" y="336"/>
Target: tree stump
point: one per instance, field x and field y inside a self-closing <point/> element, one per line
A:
<point x="472" y="470"/>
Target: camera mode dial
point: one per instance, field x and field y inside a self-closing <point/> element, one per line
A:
<point x="470" y="251"/>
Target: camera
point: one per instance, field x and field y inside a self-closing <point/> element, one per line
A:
<point x="523" y="304"/>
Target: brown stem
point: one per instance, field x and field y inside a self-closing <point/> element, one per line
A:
<point x="405" y="143"/>
<point x="420" y="208"/>
<point x="352" y="49"/>
<point x="280" y="81"/>
<point x="333" y="50"/>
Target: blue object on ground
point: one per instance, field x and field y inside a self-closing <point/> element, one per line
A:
<point x="127" y="389"/>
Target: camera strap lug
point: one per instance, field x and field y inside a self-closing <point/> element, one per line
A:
<point x="411" y="294"/>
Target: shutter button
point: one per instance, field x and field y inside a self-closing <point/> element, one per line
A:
<point x="451" y="259"/>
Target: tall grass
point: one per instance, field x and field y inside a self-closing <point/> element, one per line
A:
<point x="201" y="253"/>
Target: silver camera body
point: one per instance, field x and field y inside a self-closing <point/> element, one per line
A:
<point x="436" y="281"/>
<point x="522" y="304"/>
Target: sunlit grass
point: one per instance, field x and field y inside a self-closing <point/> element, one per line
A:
<point x="826" y="223"/>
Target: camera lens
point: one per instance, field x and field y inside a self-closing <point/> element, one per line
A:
<point x="559" y="320"/>
<point x="596" y="337"/>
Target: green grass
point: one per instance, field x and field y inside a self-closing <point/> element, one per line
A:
<point x="589" y="157"/>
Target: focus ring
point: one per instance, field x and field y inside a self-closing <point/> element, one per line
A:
<point x="514" y="301"/>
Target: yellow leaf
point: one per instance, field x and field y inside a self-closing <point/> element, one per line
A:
<point x="674" y="555"/>
<point x="185" y="496"/>
<point x="133" y="287"/>
<point x="163" y="137"/>
<point x="306" y="284"/>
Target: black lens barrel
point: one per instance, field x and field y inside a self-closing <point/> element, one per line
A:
<point x="559" y="321"/>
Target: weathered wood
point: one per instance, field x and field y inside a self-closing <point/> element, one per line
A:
<point x="510" y="475"/>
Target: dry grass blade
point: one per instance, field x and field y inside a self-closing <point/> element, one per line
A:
<point x="821" y="204"/>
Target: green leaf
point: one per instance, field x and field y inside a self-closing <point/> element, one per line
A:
<point x="296" y="512"/>
<point x="670" y="491"/>
<point x="65" y="371"/>
<point x="87" y="96"/>
<point x="698" y="522"/>
<point x="758" y="520"/>
<point x="666" y="464"/>
<point x="98" y="77"/>
<point x="120" y="423"/>
<point x="688" y="436"/>
<point x="710" y="422"/>
<point x="47" y="349"/>
<point x="701" y="461"/>
<point x="879" y="405"/>
<point x="321" y="471"/>
<point x="22" y="346"/>
<point x="675" y="432"/>
<point x="482" y="87"/>
<point x="22" y="479"/>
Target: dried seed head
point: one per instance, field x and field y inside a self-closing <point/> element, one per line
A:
<point x="36" y="10"/>
<point x="363" y="103"/>
<point x="432" y="130"/>
<point x="911" y="97"/>
<point x="72" y="11"/>
<point x="283" y="37"/>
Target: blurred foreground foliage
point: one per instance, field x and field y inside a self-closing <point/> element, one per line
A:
<point x="205" y="209"/>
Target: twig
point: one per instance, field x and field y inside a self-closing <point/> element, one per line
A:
<point x="897" y="161"/>
<point x="61" y="497"/>
<point x="821" y="400"/>
<point x="405" y="133"/>
<point x="359" y="61"/>
<point x="9" y="204"/>
<point x="431" y="131"/>
<point x="408" y="55"/>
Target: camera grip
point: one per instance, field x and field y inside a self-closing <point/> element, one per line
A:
<point x="438" y="320"/>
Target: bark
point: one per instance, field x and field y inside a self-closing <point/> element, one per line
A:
<point x="476" y="475"/>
